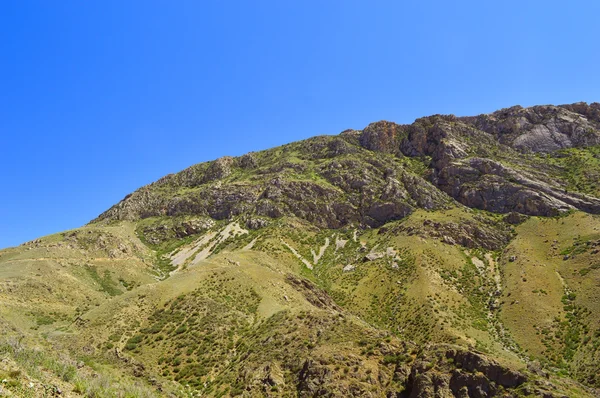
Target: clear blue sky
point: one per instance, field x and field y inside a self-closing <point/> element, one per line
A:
<point x="98" y="98"/>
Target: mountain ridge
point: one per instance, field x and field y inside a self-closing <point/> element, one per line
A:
<point x="452" y="166"/>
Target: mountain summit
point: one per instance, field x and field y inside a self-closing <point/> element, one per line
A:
<point x="455" y="256"/>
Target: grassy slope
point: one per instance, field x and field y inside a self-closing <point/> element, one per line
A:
<point x="45" y="287"/>
<point x="580" y="168"/>
<point x="217" y="324"/>
<point x="551" y="302"/>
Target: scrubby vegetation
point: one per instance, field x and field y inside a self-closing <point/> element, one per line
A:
<point x="460" y="255"/>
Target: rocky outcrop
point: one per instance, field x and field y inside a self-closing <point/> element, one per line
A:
<point x="256" y="223"/>
<point x="248" y="161"/>
<point x="515" y="218"/>
<point x="313" y="381"/>
<point x="440" y="371"/>
<point x="219" y="169"/>
<point x="460" y="151"/>
<point x="264" y="378"/>
<point x="473" y="362"/>
<point x="173" y="228"/>
<point x="489" y="185"/>
<point x="313" y="294"/>
<point x="443" y="371"/>
<point x="471" y="233"/>
<point x="424" y="194"/>
<point x="543" y="128"/>
<point x="382" y="136"/>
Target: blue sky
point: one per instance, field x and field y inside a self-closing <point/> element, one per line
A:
<point x="98" y="98"/>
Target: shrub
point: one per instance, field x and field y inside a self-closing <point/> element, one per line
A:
<point x="130" y="346"/>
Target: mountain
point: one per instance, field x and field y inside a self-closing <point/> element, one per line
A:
<point x="455" y="256"/>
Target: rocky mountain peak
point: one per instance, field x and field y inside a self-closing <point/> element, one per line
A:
<point x="544" y="128"/>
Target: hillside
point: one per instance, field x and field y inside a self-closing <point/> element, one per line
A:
<point x="455" y="256"/>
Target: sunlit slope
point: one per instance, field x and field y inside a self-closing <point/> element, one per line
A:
<point x="287" y="301"/>
<point x="456" y="256"/>
<point x="552" y="299"/>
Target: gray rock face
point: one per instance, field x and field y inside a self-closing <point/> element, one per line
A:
<point x="469" y="233"/>
<point x="543" y="128"/>
<point x="469" y="375"/>
<point x="218" y="169"/>
<point x="473" y="362"/>
<point x="515" y="218"/>
<point x="312" y="380"/>
<point x="489" y="185"/>
<point x="389" y="211"/>
<point x="248" y="161"/>
<point x="382" y="136"/>
<point x="256" y="223"/>
<point x="158" y="232"/>
<point x="459" y="149"/>
<point x="437" y="372"/>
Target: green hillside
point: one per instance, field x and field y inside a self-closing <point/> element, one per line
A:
<point x="449" y="257"/>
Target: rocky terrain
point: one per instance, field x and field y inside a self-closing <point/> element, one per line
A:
<point x="493" y="162"/>
<point x="452" y="257"/>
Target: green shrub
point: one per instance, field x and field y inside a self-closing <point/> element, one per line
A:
<point x="130" y="346"/>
